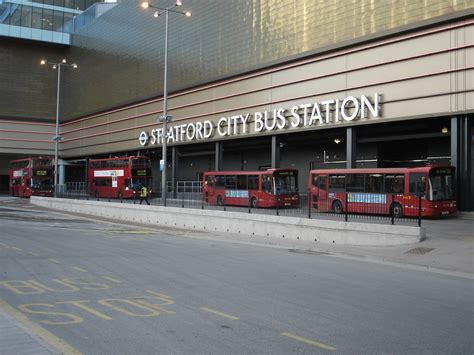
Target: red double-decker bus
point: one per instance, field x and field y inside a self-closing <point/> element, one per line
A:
<point x="119" y="177"/>
<point x="31" y="177"/>
<point x="268" y="188"/>
<point x="394" y="191"/>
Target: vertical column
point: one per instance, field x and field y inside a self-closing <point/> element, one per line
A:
<point x="461" y="159"/>
<point x="174" y="170"/>
<point x="219" y="156"/>
<point x="275" y="152"/>
<point x="62" y="173"/>
<point x="351" y="146"/>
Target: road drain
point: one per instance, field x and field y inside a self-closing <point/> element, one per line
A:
<point x="419" y="250"/>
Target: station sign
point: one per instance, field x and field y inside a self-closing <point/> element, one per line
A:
<point x="324" y="113"/>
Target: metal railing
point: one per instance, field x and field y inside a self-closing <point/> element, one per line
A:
<point x="369" y="208"/>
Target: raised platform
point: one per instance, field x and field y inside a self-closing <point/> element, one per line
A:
<point x="292" y="228"/>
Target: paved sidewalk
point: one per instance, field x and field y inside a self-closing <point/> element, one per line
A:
<point x="16" y="339"/>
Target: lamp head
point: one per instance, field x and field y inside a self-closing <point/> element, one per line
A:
<point x="188" y="13"/>
<point x="64" y="61"/>
<point x="156" y="14"/>
<point x="179" y="3"/>
<point x="55" y="66"/>
<point x="43" y="62"/>
<point x="145" y="5"/>
<point x="74" y="66"/>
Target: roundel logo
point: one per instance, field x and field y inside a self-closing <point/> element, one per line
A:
<point x="143" y="138"/>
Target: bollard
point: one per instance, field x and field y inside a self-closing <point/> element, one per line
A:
<point x="202" y="200"/>
<point x="250" y="203"/>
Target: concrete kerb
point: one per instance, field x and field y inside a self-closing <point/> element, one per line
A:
<point x="290" y="228"/>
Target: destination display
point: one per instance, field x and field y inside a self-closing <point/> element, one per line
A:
<point x="328" y="112"/>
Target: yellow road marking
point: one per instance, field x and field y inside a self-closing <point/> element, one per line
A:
<point x="50" y="339"/>
<point x="309" y="341"/>
<point x="225" y="315"/>
<point x="158" y="294"/>
<point x="31" y="253"/>
<point x="79" y="269"/>
<point x="54" y="261"/>
<point x="81" y="305"/>
<point x="112" y="279"/>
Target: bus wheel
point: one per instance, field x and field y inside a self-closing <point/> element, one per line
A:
<point x="337" y="207"/>
<point x="253" y="202"/>
<point x="397" y="210"/>
<point x="220" y="201"/>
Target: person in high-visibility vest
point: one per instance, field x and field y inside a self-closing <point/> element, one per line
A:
<point x="144" y="195"/>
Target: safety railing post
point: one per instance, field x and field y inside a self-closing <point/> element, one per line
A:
<point x="223" y="202"/>
<point x="202" y="200"/>
<point x="182" y="199"/>
<point x="278" y="205"/>
<point x="250" y="203"/>
<point x="346" y="215"/>
<point x="310" y="201"/>
<point x="419" y="211"/>
<point x="392" y="212"/>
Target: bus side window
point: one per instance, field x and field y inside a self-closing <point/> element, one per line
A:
<point x="253" y="182"/>
<point x="231" y="182"/>
<point x="241" y="182"/>
<point x="314" y="180"/>
<point x="220" y="181"/>
<point x="417" y="184"/>
<point x="210" y="181"/>
<point x="395" y="184"/>
<point x="266" y="183"/>
<point x="323" y="182"/>
<point x="126" y="182"/>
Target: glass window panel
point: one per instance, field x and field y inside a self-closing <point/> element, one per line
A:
<point x="49" y="2"/>
<point x="79" y="4"/>
<point x="15" y="17"/>
<point x="26" y="16"/>
<point x="69" y="4"/>
<point x="68" y="23"/>
<point x="58" y="21"/>
<point x="47" y="19"/>
<point x="4" y="13"/>
<point x="36" y="18"/>
<point x="59" y="3"/>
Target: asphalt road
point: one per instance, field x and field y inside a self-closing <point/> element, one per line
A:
<point x="107" y="288"/>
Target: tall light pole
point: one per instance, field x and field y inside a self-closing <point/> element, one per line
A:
<point x="165" y="118"/>
<point x="57" y="138"/>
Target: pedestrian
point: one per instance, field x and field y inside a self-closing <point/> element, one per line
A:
<point x="144" y="195"/>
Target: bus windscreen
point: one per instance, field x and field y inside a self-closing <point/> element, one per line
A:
<point x="441" y="185"/>
<point x="286" y="182"/>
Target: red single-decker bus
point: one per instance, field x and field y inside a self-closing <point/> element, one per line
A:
<point x="119" y="177"/>
<point x="31" y="177"/>
<point x="387" y="191"/>
<point x="268" y="188"/>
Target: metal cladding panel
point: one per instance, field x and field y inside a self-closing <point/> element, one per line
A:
<point x="27" y="90"/>
<point x="121" y="54"/>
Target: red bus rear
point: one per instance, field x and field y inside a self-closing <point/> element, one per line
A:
<point x="31" y="177"/>
<point x="119" y="177"/>
<point x="267" y="188"/>
<point x="384" y="191"/>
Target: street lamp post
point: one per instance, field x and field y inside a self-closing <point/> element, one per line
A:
<point x="165" y="118"/>
<point x="57" y="138"/>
